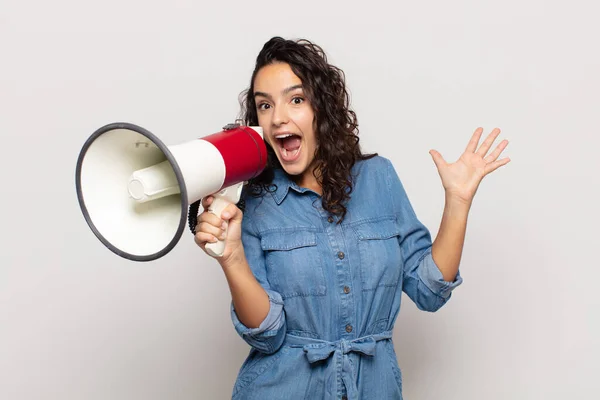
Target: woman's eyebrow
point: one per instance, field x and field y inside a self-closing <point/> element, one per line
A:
<point x="283" y="92"/>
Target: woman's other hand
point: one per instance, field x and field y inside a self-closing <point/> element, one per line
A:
<point x="462" y="178"/>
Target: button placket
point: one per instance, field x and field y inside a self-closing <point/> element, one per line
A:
<point x="334" y="232"/>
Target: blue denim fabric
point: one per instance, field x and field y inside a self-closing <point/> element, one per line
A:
<point x="334" y="289"/>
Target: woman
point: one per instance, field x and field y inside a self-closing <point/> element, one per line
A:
<point x="317" y="262"/>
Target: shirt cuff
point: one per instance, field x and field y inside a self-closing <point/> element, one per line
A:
<point x="432" y="277"/>
<point x="270" y="325"/>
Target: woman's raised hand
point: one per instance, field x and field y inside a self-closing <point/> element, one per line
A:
<point x="462" y="178"/>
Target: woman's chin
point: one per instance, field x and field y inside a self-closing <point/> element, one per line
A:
<point x="294" y="169"/>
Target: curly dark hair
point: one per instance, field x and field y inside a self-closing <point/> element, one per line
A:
<point x="338" y="146"/>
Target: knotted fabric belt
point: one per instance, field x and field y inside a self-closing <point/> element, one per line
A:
<point x="318" y="350"/>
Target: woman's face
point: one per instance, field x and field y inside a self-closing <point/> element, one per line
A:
<point x="287" y="119"/>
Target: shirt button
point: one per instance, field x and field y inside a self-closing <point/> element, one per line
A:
<point x="341" y="255"/>
<point x="346" y="289"/>
<point x="348" y="328"/>
<point x="330" y="219"/>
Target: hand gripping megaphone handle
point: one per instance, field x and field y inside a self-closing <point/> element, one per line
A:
<point x="229" y="195"/>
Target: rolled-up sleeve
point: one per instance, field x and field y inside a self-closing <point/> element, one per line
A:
<point x="432" y="277"/>
<point x="423" y="281"/>
<point x="269" y="336"/>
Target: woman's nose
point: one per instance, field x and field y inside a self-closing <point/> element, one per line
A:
<point x="280" y="115"/>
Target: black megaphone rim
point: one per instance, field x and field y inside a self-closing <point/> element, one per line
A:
<point x="176" y="170"/>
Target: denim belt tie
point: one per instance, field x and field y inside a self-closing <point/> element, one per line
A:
<point x="318" y="350"/>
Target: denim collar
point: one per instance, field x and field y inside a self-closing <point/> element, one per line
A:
<point x="284" y="184"/>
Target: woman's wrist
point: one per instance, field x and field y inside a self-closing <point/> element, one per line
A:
<point x="235" y="261"/>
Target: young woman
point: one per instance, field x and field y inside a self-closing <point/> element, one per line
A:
<point x="328" y="239"/>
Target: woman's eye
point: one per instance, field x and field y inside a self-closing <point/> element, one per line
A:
<point x="297" y="100"/>
<point x="263" y="106"/>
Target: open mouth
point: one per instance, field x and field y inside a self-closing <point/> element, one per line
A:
<point x="289" y="146"/>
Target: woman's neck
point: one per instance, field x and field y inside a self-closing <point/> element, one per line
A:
<point x="309" y="181"/>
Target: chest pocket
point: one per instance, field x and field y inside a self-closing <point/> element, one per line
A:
<point x="294" y="266"/>
<point x="380" y="255"/>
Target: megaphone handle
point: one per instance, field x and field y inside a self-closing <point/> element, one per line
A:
<point x="220" y="202"/>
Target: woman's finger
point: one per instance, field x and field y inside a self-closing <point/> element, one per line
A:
<point x="205" y="227"/>
<point x="472" y="146"/>
<point x="485" y="146"/>
<point x="210" y="218"/>
<point x="437" y="159"/>
<point x="207" y="201"/>
<point x="202" y="239"/>
<point x="491" y="167"/>
<point x="493" y="156"/>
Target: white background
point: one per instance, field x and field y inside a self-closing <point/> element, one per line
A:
<point x="78" y="322"/>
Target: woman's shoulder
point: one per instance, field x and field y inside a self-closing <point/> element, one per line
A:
<point x="376" y="164"/>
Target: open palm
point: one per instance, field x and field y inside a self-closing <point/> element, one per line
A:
<point x="462" y="178"/>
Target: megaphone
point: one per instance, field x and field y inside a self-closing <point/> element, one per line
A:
<point x="135" y="192"/>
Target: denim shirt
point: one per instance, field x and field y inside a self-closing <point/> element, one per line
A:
<point x="334" y="289"/>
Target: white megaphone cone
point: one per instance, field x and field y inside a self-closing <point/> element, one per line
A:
<point x="135" y="192"/>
